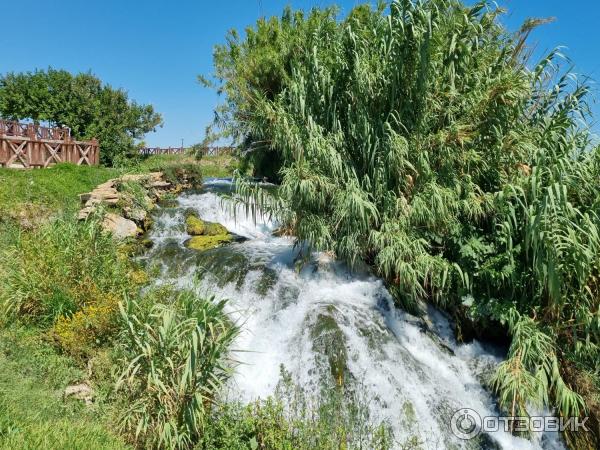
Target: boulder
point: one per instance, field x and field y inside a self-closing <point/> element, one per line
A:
<point x="207" y="242"/>
<point x="198" y="227"/>
<point x="194" y="226"/>
<point x="214" y="229"/>
<point x="120" y="227"/>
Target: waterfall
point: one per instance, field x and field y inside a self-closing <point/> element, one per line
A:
<point x="326" y="324"/>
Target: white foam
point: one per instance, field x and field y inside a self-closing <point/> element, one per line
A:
<point x="209" y="206"/>
<point x="397" y="363"/>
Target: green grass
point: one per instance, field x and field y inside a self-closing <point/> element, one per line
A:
<point x="62" y="280"/>
<point x="55" y="188"/>
<point x="211" y="166"/>
<point x="33" y="414"/>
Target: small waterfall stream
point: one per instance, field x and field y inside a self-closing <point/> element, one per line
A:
<point x="327" y="325"/>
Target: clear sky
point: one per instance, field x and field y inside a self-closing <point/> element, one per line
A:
<point x="155" y="49"/>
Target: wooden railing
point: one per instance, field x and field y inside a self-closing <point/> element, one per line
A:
<point x="17" y="129"/>
<point x="147" y="151"/>
<point x="207" y="151"/>
<point x="26" y="145"/>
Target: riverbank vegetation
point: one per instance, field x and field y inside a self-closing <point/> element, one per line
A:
<point x="93" y="356"/>
<point x="423" y="139"/>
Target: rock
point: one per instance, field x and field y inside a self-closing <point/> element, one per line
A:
<point x="85" y="212"/>
<point x="120" y="227"/>
<point x="80" y="391"/>
<point x="214" y="229"/>
<point x="138" y="215"/>
<point x="328" y="339"/>
<point x="198" y="227"/>
<point x="207" y="242"/>
<point x="160" y="184"/>
<point x="194" y="226"/>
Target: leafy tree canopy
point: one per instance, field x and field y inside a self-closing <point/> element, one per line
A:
<point x="81" y="102"/>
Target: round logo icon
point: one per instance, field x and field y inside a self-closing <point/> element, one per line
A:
<point x="465" y="424"/>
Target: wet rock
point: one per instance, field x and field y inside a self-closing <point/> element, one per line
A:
<point x="207" y="242"/>
<point x="120" y="227"/>
<point x="138" y="215"/>
<point x="225" y="264"/>
<point x="329" y="340"/>
<point x="194" y="226"/>
<point x="266" y="281"/>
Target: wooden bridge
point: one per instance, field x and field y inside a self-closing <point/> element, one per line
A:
<point x="26" y="145"/>
<point x="206" y="151"/>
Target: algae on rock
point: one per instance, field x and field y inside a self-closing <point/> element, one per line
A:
<point x="194" y="226"/>
<point x="198" y="227"/>
<point x="207" y="242"/>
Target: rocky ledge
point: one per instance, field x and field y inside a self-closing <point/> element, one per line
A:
<point x="123" y="206"/>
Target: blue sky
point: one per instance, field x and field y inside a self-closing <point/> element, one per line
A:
<point x="155" y="49"/>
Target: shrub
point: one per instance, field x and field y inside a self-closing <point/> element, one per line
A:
<point x="292" y="419"/>
<point x="421" y="140"/>
<point x="59" y="269"/>
<point x="90" y="327"/>
<point x="176" y="356"/>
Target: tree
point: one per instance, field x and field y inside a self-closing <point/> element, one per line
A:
<point x="81" y="102"/>
<point x="260" y="66"/>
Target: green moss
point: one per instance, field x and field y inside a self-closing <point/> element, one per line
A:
<point x="214" y="229"/>
<point x="198" y="227"/>
<point x="329" y="340"/>
<point x="194" y="226"/>
<point x="207" y="242"/>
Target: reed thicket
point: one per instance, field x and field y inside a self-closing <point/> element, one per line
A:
<point x="422" y="138"/>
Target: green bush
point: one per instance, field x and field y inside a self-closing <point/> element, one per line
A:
<point x="422" y="140"/>
<point x="291" y="419"/>
<point x="175" y="359"/>
<point x="60" y="268"/>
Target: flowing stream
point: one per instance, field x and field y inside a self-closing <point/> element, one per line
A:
<point x="326" y="325"/>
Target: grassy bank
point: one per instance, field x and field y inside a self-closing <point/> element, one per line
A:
<point x="72" y="313"/>
<point x="59" y="308"/>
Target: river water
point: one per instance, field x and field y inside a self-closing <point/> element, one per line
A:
<point x="326" y="325"/>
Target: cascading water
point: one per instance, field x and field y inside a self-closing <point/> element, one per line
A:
<point x="327" y="325"/>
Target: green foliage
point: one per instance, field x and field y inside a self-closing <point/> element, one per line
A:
<point x="421" y="140"/>
<point x="295" y="420"/>
<point x="260" y="65"/>
<point x="176" y="357"/>
<point x="59" y="268"/>
<point x="82" y="103"/>
<point x="54" y="188"/>
<point x="33" y="414"/>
